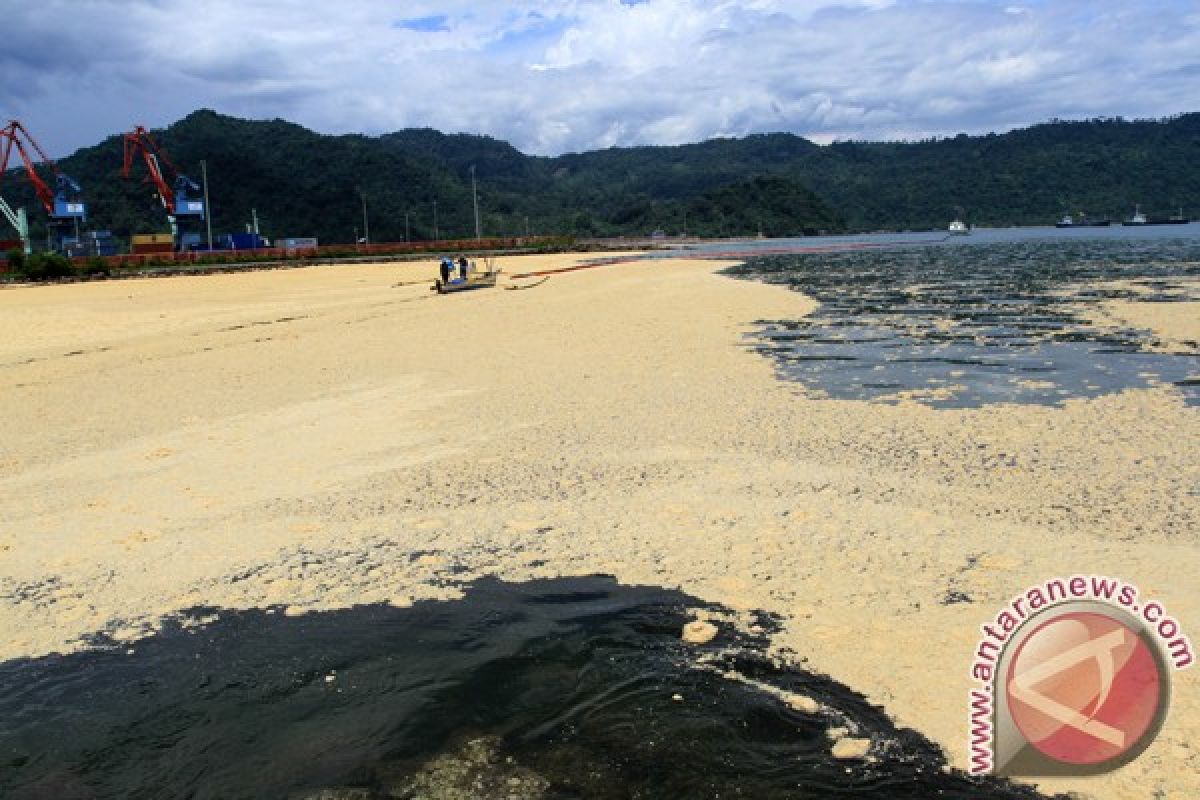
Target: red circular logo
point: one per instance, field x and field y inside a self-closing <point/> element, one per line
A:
<point x="1085" y="688"/>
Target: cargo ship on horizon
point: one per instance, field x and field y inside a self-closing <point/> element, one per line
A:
<point x="1082" y="220"/>
<point x="1139" y="218"/>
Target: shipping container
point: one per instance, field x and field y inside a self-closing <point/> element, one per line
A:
<point x="298" y="243"/>
<point x="248" y="241"/>
<point x="89" y="244"/>
<point x="153" y="238"/>
<point x="152" y="248"/>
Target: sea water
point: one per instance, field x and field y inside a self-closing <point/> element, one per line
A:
<point x="1002" y="316"/>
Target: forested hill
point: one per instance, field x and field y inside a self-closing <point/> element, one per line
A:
<point x="306" y="184"/>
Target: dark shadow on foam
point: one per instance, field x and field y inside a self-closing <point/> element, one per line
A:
<point x="559" y="688"/>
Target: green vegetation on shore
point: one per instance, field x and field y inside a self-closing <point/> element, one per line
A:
<point x="302" y="183"/>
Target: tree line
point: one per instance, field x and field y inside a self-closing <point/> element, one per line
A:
<point x="416" y="183"/>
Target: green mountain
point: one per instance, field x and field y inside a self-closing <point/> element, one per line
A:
<point x="302" y="183"/>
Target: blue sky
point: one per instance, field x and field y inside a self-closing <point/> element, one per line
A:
<point x="554" y="77"/>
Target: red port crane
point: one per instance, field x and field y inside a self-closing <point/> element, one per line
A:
<point x="63" y="203"/>
<point x="174" y="195"/>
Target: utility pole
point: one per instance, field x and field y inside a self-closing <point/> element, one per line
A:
<point x="406" y="226"/>
<point x="475" y="200"/>
<point x="207" y="208"/>
<point x="437" y="236"/>
<point x="527" y="226"/>
<point x="254" y="216"/>
<point x="366" y="226"/>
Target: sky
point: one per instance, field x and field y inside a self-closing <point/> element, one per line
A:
<point x="576" y="75"/>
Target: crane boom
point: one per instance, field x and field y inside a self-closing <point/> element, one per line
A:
<point x="63" y="202"/>
<point x="173" y="194"/>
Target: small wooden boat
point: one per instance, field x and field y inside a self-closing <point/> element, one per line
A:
<point x="476" y="279"/>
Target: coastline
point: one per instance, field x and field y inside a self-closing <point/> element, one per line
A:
<point x="165" y="437"/>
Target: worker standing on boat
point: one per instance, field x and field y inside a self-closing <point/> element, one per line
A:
<point x="446" y="266"/>
<point x="462" y="267"/>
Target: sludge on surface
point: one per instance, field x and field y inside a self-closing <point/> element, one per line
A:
<point x="965" y="325"/>
<point x="563" y="688"/>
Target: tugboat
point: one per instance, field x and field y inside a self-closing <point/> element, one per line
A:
<point x="957" y="226"/>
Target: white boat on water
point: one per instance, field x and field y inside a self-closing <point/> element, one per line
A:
<point x="959" y="228"/>
<point x="1138" y="217"/>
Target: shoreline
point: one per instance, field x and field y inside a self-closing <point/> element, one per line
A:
<point x="165" y="437"/>
<point x="1174" y="324"/>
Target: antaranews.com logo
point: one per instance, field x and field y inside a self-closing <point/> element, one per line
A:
<point x="1072" y="677"/>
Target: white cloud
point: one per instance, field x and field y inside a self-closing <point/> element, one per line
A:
<point x="579" y="74"/>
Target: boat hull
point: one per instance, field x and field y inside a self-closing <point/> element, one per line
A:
<point x="485" y="280"/>
<point x="1097" y="223"/>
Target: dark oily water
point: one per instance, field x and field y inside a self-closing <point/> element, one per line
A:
<point x="959" y="324"/>
<point x="554" y="689"/>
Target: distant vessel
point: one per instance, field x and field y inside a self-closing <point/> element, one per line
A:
<point x="1139" y="218"/>
<point x="1082" y="221"/>
<point x="959" y="228"/>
